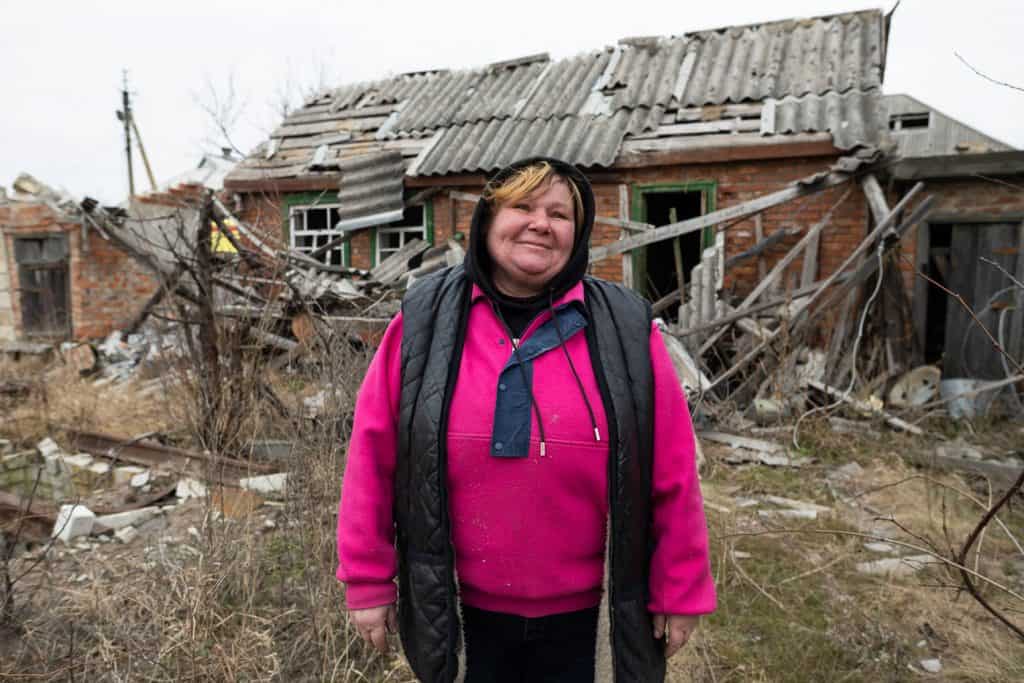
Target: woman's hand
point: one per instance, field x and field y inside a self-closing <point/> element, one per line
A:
<point x="374" y="624"/>
<point x="676" y="629"/>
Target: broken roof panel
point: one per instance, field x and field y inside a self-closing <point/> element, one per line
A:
<point x="581" y="103"/>
<point x="370" y="191"/>
<point x="854" y="119"/>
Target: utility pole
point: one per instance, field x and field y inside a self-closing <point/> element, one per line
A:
<point x="125" y="116"/>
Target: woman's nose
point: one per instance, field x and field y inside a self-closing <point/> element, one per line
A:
<point x="540" y="220"/>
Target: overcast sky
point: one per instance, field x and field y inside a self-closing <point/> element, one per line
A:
<point x="63" y="63"/>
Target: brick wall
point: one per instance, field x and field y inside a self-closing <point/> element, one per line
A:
<point x="107" y="287"/>
<point x="736" y="182"/>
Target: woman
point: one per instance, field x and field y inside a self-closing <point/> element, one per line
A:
<point x="523" y="460"/>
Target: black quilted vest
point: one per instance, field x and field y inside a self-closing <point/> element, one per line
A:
<point x="434" y="315"/>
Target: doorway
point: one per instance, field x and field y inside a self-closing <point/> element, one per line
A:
<point x="654" y="266"/>
<point x="952" y="253"/>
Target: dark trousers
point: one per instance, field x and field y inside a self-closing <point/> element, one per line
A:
<point x="506" y="648"/>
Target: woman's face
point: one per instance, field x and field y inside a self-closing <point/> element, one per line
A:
<point x="530" y="240"/>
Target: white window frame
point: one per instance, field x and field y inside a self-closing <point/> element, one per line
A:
<point x="293" y="233"/>
<point x="407" y="233"/>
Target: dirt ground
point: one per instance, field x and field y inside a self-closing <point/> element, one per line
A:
<point x="203" y="595"/>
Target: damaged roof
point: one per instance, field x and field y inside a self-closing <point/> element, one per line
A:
<point x="787" y="77"/>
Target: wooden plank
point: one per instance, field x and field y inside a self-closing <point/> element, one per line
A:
<point x="809" y="269"/>
<point x="624" y="214"/>
<point x="762" y="264"/>
<point x="781" y="266"/>
<point x="464" y="196"/>
<point x="762" y="245"/>
<point x="395" y="265"/>
<point x="875" y="196"/>
<point x="1015" y="340"/>
<point x="731" y="213"/>
<point x="865" y="408"/>
<point x="624" y="223"/>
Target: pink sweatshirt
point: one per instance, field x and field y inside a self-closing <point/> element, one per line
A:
<point x="528" y="532"/>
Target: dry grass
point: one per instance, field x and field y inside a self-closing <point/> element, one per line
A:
<point x="238" y="601"/>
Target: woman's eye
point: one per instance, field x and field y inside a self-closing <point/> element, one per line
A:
<point x="521" y="207"/>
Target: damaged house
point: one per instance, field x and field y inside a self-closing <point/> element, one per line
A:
<point x="747" y="161"/>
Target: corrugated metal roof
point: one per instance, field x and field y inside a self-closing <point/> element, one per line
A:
<point x="855" y="119"/>
<point x="584" y="106"/>
<point x="942" y="136"/>
<point x="486" y="146"/>
<point x="370" y="191"/>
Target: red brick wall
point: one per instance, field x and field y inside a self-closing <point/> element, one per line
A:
<point x="107" y="287"/>
<point x="736" y="182"/>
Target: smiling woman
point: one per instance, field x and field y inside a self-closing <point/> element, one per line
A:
<point x="520" y="426"/>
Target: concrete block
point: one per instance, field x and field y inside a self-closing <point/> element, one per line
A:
<point x="75" y="463"/>
<point x="190" y="488"/>
<point x="126" y="534"/>
<point x="48" y="447"/>
<point x="141" y="479"/>
<point x="125" y="473"/>
<point x="267" y="484"/>
<point x="99" y="469"/>
<point x="126" y="518"/>
<point x="73" y="521"/>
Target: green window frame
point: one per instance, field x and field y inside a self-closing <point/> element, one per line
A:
<point x="316" y="199"/>
<point x="428" y="229"/>
<point x="638" y="211"/>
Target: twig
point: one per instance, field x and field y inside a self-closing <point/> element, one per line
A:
<point x="986" y="76"/>
<point x="753" y="583"/>
<point x="876" y="537"/>
<point x="962" y="558"/>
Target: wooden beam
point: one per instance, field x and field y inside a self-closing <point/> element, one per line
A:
<point x="875" y="196"/>
<point x="718" y="148"/>
<point x="759" y="248"/>
<point x="731" y="213"/>
<point x="865" y="408"/>
<point x="780" y="267"/>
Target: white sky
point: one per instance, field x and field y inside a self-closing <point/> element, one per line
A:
<point x="63" y="60"/>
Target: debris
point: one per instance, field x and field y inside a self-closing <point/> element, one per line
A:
<point x="967" y="398"/>
<point x="125" y="474"/>
<point x="797" y="504"/>
<point x="866" y="408"/>
<point x="126" y="534"/>
<point x="895" y="566"/>
<point x="915" y="388"/>
<point x="880" y="547"/>
<point x="932" y="666"/>
<point x="73" y="521"/>
<point x="268" y="484"/>
<point x="795" y="514"/>
<point x="190" y="488"/>
<point x="235" y="503"/>
<point x="48" y="448"/>
<point x="140" y="479"/>
<point x="126" y="518"/>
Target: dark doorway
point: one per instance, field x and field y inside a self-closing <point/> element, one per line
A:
<point x="658" y="271"/>
<point x="952" y="334"/>
<point x="43" y="285"/>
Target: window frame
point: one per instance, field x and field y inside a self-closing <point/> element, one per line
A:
<point x="426" y="227"/>
<point x="303" y="202"/>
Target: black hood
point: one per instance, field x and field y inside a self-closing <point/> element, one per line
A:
<point x="479" y="267"/>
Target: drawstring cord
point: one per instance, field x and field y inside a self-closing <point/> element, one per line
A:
<point x="572" y="366"/>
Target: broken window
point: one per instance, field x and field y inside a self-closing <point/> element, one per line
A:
<point x="312" y="227"/>
<point x="43" y="285"/>
<point x="394" y="236"/>
<point x="909" y="121"/>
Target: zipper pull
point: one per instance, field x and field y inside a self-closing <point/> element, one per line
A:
<point x="543" y="449"/>
<point x="597" y="434"/>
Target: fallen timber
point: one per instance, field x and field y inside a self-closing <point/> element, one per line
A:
<point x="150" y="454"/>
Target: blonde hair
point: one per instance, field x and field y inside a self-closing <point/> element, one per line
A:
<point x="523" y="182"/>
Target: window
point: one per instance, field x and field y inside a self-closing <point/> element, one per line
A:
<point x="394" y="236"/>
<point x="312" y="227"/>
<point x="909" y="121"/>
